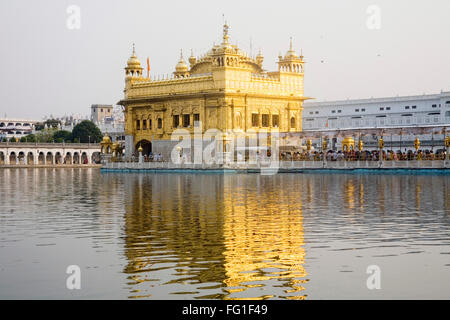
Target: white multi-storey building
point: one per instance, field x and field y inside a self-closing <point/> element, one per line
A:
<point x="410" y="113"/>
<point x="16" y="128"/>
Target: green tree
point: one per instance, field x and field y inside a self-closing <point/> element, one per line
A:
<point x="45" y="136"/>
<point x="28" y="138"/>
<point x="52" y="123"/>
<point x="62" y="136"/>
<point x="86" y="131"/>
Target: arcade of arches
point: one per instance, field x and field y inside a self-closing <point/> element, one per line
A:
<point x="49" y="156"/>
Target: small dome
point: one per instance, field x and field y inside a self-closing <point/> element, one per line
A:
<point x="133" y="61"/>
<point x="348" y="140"/>
<point x="106" y="140"/>
<point x="291" y="52"/>
<point x="181" y="65"/>
<point x="260" y="55"/>
<point x="259" y="58"/>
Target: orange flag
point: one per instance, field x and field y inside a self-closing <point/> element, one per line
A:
<point x="148" y="67"/>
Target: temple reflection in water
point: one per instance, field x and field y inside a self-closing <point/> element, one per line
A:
<point x="243" y="236"/>
<point x="226" y="236"/>
<point x="181" y="235"/>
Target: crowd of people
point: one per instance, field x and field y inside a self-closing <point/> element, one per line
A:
<point x="355" y="155"/>
<point x="151" y="157"/>
<point x="332" y="155"/>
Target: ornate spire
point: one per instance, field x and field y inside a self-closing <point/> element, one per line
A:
<point x="192" y="58"/>
<point x="259" y="58"/>
<point x="225" y="33"/>
<point x="291" y="52"/>
<point x="181" y="66"/>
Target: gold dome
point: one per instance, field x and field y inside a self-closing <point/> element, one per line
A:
<point x="348" y="140"/>
<point x="291" y="52"/>
<point x="140" y="149"/>
<point x="133" y="61"/>
<point x="348" y="144"/>
<point x="181" y="65"/>
<point x="106" y="140"/>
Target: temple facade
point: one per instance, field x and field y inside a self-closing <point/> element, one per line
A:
<point x="224" y="89"/>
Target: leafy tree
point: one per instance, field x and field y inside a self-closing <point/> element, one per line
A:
<point x="28" y="138"/>
<point x="12" y="139"/>
<point x="62" y="136"/>
<point x="52" y="123"/>
<point x="45" y="136"/>
<point x="86" y="131"/>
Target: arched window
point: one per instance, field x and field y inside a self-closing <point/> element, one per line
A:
<point x="159" y="123"/>
<point x="293" y="122"/>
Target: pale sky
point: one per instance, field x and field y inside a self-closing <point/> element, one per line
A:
<point x="47" y="68"/>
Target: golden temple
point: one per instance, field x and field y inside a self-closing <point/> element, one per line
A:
<point x="225" y="89"/>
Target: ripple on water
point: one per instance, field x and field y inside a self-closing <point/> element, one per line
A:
<point x="223" y="236"/>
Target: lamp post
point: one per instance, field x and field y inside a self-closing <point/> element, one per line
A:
<point x="324" y="145"/>
<point x="308" y="144"/>
<point x="141" y="158"/>
<point x="417" y="146"/>
<point x="432" y="140"/>
<point x="381" y="145"/>
<point x="360" y="145"/>
<point x="447" y="146"/>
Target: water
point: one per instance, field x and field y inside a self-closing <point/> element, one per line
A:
<point x="232" y="236"/>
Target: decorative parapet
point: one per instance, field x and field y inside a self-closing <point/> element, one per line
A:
<point x="172" y="85"/>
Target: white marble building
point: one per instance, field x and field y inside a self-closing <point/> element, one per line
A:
<point x="16" y="127"/>
<point x="408" y="111"/>
<point x="424" y="116"/>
